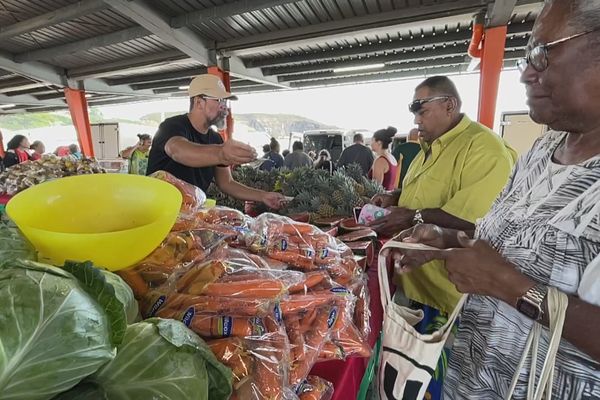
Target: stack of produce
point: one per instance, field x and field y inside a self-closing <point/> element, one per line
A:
<point x="22" y="176"/>
<point x="314" y="191"/>
<point x="65" y="336"/>
<point x="271" y="296"/>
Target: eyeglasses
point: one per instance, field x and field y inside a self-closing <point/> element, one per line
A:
<point x="538" y="56"/>
<point x="416" y="105"/>
<point x="223" y="102"/>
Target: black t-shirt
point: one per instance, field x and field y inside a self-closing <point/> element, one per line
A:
<point x="158" y="159"/>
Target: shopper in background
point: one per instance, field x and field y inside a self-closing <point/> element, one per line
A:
<point x="37" y="150"/>
<point x="359" y="154"/>
<point x="16" y="151"/>
<point x="324" y="162"/>
<point x="138" y="155"/>
<point x="385" y="167"/>
<point x="285" y="153"/>
<point x="406" y="152"/>
<point x="187" y="147"/>
<point x="274" y="160"/>
<point x="74" y="152"/>
<point x="297" y="158"/>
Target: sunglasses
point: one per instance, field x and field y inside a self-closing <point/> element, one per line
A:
<point x="538" y="56"/>
<point x="417" y="105"/>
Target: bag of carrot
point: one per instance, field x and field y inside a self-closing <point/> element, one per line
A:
<point x="177" y="250"/>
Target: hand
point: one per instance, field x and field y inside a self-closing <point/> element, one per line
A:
<point x="274" y="200"/>
<point x="477" y="268"/>
<point x="406" y="260"/>
<point x="385" y="200"/>
<point x="236" y="153"/>
<point x="397" y="220"/>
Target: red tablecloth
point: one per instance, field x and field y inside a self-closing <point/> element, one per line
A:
<point x="347" y="375"/>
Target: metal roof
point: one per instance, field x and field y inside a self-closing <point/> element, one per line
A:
<point x="123" y="50"/>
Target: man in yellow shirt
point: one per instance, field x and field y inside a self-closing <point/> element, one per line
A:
<point x="451" y="183"/>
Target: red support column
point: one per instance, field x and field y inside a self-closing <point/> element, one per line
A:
<point x="79" y="114"/>
<point x="491" y="65"/>
<point x="226" y="133"/>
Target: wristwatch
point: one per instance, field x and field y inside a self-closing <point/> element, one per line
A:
<point x="530" y="304"/>
<point x="418" y="218"/>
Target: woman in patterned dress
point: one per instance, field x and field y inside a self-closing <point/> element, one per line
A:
<point x="542" y="231"/>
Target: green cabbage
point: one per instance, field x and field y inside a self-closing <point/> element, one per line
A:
<point x="158" y="359"/>
<point x="13" y="244"/>
<point x="124" y="295"/>
<point x="52" y="332"/>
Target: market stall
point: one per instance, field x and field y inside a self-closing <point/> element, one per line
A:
<point x="281" y="304"/>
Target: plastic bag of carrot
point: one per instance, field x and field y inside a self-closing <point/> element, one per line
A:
<point x="178" y="249"/>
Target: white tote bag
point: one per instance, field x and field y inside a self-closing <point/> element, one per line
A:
<point x="557" y="307"/>
<point x="408" y="359"/>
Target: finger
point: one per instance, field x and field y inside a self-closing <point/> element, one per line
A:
<point x="464" y="240"/>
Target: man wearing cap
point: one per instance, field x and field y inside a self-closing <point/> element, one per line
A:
<point x="187" y="147"/>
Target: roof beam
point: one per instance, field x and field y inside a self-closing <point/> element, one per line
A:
<point x="36" y="71"/>
<point x="438" y="52"/>
<point x="27" y="99"/>
<point x="239" y="70"/>
<point x="82" y="45"/>
<point x="462" y="60"/>
<point x="397" y="45"/>
<point x="225" y="10"/>
<point x="499" y="12"/>
<point x="381" y="77"/>
<point x="162" y="84"/>
<point x="128" y="65"/>
<point x="55" y="17"/>
<point x="370" y="21"/>
<point x="436" y="62"/>
<point x="183" y="39"/>
<point x="186" y="73"/>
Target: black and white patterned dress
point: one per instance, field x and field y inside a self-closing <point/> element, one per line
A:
<point x="547" y="222"/>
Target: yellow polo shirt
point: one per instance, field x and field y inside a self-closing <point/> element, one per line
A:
<point x="466" y="170"/>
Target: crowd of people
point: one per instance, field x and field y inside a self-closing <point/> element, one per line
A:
<point x="19" y="150"/>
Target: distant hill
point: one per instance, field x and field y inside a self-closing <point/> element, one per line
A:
<point x="276" y="125"/>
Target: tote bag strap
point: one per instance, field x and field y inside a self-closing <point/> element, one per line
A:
<point x="557" y="307"/>
<point x="384" y="287"/>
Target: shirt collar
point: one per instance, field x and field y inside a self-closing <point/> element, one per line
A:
<point x="450" y="135"/>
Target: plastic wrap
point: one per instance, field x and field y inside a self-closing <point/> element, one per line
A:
<point x="307" y="332"/>
<point x="300" y="245"/>
<point x="177" y="250"/>
<point x="362" y="312"/>
<point x="260" y="365"/>
<point x="193" y="196"/>
<point x="315" y="388"/>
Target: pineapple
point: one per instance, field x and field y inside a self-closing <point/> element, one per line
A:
<point x="325" y="210"/>
<point x="337" y="197"/>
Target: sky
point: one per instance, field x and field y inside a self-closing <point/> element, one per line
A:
<point x="359" y="106"/>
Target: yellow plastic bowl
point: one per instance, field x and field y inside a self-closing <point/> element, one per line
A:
<point x="114" y="220"/>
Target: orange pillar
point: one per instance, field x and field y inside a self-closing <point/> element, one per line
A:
<point x="224" y="75"/>
<point x="492" y="61"/>
<point x="79" y="114"/>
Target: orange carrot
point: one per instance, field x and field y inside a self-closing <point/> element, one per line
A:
<point x="297" y="229"/>
<point x="312" y="280"/>
<point x="194" y="280"/>
<point x="313" y="340"/>
<point x="257" y="288"/>
<point x="292" y="258"/>
<point x="134" y="280"/>
<point x="210" y="326"/>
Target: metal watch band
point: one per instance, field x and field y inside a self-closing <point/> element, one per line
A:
<point x="536" y="296"/>
<point x="418" y="218"/>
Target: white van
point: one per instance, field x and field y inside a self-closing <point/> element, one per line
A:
<point x="333" y="140"/>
